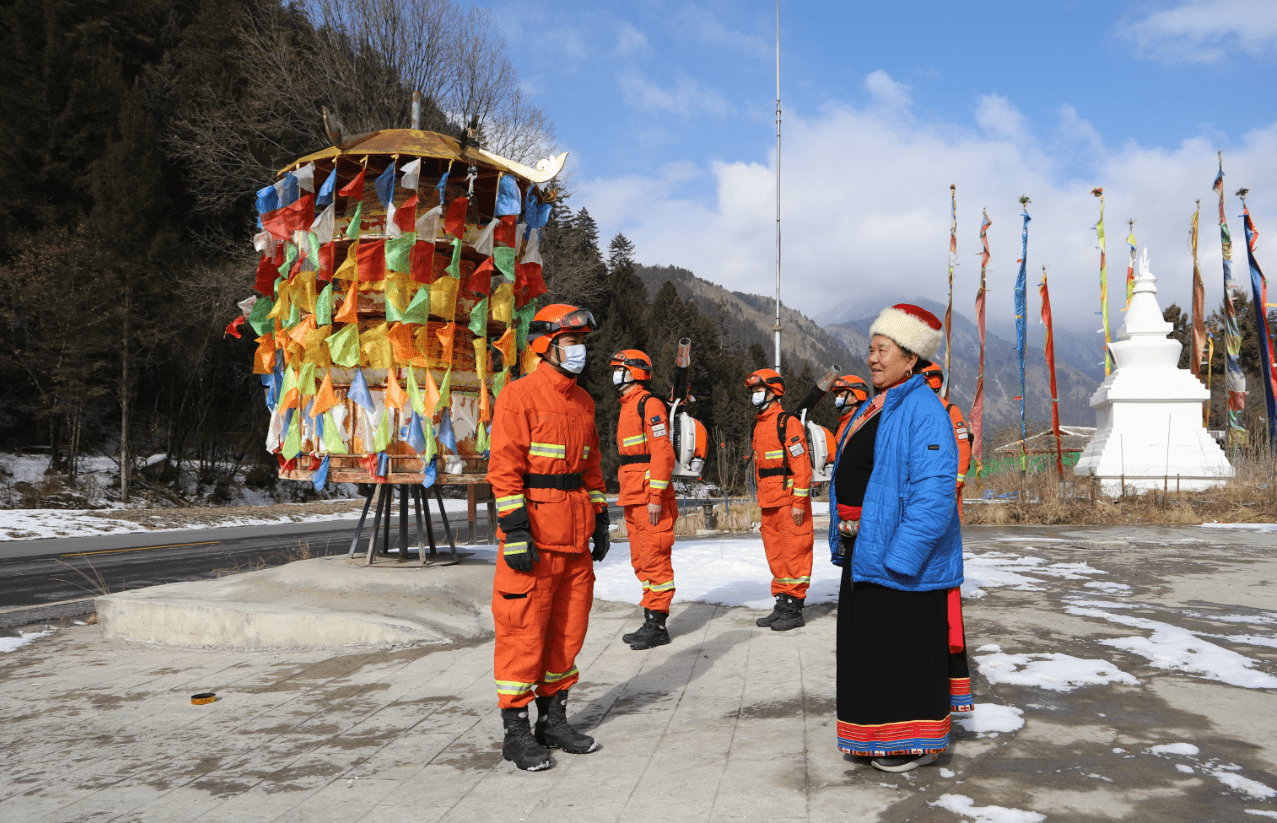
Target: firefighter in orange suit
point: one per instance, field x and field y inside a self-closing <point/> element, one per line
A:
<point x="935" y="379"/>
<point x="783" y="471"/>
<point x="647" y="461"/>
<point x="850" y="392"/>
<point x="545" y="476"/>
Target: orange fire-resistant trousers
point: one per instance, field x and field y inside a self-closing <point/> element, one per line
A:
<point x="541" y="618"/>
<point x="650" y="550"/>
<point x="789" y="550"/>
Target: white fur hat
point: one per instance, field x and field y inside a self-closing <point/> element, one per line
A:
<point x="911" y="327"/>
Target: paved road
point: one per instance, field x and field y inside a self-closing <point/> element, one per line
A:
<point x="37" y="572"/>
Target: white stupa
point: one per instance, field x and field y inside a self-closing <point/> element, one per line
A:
<point x="1149" y="412"/>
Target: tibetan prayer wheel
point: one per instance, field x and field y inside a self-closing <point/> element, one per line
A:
<point x="396" y="280"/>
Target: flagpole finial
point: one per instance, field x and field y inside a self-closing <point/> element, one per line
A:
<point x="1097" y="191"/>
<point x="1024" y="200"/>
<point x="1242" y="194"/>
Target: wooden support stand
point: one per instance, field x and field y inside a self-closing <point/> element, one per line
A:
<point x="381" y="500"/>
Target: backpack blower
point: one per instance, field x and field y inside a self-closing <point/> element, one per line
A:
<point x="691" y="441"/>
<point x="820" y="440"/>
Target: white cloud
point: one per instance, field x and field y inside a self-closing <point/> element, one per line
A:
<point x="886" y="92"/>
<point x="710" y="30"/>
<point x="1204" y="32"/>
<point x="866" y="210"/>
<point x="687" y="97"/>
<point x="631" y="41"/>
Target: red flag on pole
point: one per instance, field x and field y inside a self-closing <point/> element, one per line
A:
<point x="1050" y="367"/>
<point x="977" y="405"/>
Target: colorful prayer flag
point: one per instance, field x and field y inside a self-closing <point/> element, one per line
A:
<point x="1021" y="318"/>
<point x="1259" y="294"/>
<point x="1049" y="349"/>
<point x="953" y="261"/>
<point x="1234" y="380"/>
<point x="977" y="404"/>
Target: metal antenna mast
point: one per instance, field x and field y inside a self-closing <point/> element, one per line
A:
<point x="777" y="327"/>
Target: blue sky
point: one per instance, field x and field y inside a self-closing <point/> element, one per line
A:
<point x="667" y="109"/>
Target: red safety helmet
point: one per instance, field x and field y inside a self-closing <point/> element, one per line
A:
<point x="933" y="375"/>
<point x="849" y="382"/>
<point x="769" y="379"/>
<point x="556" y="319"/>
<point x="636" y="362"/>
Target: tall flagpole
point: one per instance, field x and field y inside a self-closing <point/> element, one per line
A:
<point x="1104" y="285"/>
<point x="953" y="261"/>
<point x="1234" y="378"/>
<point x="777" y="328"/>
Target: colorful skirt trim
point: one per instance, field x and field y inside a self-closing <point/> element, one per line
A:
<point x="887" y="739"/>
<point x="960" y="699"/>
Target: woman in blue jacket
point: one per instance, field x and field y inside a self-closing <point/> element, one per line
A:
<point x="894" y="529"/>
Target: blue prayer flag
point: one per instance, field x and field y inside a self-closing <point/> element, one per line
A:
<point x="386" y="185"/>
<point x="508" y="196"/>
<point x="325" y="197"/>
<point x="359" y="391"/>
<point x="320" y="477"/>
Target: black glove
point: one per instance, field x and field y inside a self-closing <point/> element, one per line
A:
<point x="602" y="536"/>
<point x="519" y="550"/>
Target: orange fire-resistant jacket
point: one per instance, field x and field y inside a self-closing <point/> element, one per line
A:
<point x="964" y="442"/>
<point x="543" y="423"/>
<point x="843" y="422"/>
<point x="643" y="430"/>
<point x="769" y="456"/>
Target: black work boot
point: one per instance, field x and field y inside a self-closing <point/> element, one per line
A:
<point x="653" y="633"/>
<point x="519" y="745"/>
<point x="632" y="636"/>
<point x="774" y="616"/>
<point x="553" y="730"/>
<point x="792" y="615"/>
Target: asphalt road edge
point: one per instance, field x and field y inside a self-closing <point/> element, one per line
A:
<point x="29" y="615"/>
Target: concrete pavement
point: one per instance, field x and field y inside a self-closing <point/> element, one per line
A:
<point x="729" y="723"/>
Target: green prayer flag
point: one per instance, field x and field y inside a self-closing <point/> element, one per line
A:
<point x="498" y="382"/>
<point x="332" y="439"/>
<point x="399" y="252"/>
<point x="454" y="268"/>
<point x="352" y="231"/>
<point x="428" y="428"/>
<point x="481" y="442"/>
<point x="479" y="318"/>
<point x="312" y="245"/>
<point x="394" y="313"/>
<point x="503" y="258"/>
<point x="306" y="382"/>
<point x="381" y="438"/>
<point x="343" y="346"/>
<point x="294" y="315"/>
<point x="258" y="319"/>
<point x="418" y="310"/>
<point x="414" y="393"/>
<point x="290" y="257"/>
<point x="290" y="381"/>
<point x="525" y="317"/>
<point x="445" y="391"/>
<point x="293" y="442"/>
<point x="324" y="307"/>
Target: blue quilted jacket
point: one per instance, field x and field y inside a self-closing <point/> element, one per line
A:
<point x="910" y="537"/>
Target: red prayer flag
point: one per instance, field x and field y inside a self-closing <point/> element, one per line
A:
<point x="281" y="223"/>
<point x="528" y="283"/>
<point x="325" y="263"/>
<point x="406" y="215"/>
<point x="233" y="327"/>
<point x="455" y="221"/>
<point x="422" y="263"/>
<point x="504" y="234"/>
<point x="266" y="274"/>
<point x="355" y="188"/>
<point x="1050" y="366"/>
<point x="481" y="281"/>
<point x="371" y="261"/>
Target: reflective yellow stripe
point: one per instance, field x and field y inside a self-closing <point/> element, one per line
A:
<point x="801" y="492"/>
<point x="555" y="677"/>
<point x="776" y="455"/>
<point x="646" y="585"/>
<point x="663" y="587"/>
<point x="513" y="687"/>
<point x="793" y="579"/>
<point x="586" y="456"/>
<point x="636" y="440"/>
<point x="598" y="497"/>
<point x="647" y="475"/>
<point x="509" y="504"/>
<point x="548" y="450"/>
<point x="515" y="548"/>
<point x="659" y="484"/>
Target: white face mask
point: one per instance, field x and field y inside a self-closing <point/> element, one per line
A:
<point x="573" y="358"/>
<point x="759" y="397"/>
<point x="840" y="401"/>
<point x="618" y="378"/>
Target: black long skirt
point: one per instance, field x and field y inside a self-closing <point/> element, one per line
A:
<point x="893" y="670"/>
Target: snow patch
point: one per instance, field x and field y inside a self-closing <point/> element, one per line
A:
<point x="1261" y="813"/>
<point x="1185" y="769"/>
<point x="1255" y="527"/>
<point x="947" y="773"/>
<point x="731" y="571"/>
<point x="1186" y="749"/>
<point x="965" y="806"/>
<point x="1054" y="671"/>
<point x="12" y="644"/>
<point x="1251" y="788"/>
<point x="991" y="719"/>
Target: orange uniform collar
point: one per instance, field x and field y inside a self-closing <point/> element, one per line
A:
<point x="559" y="381"/>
